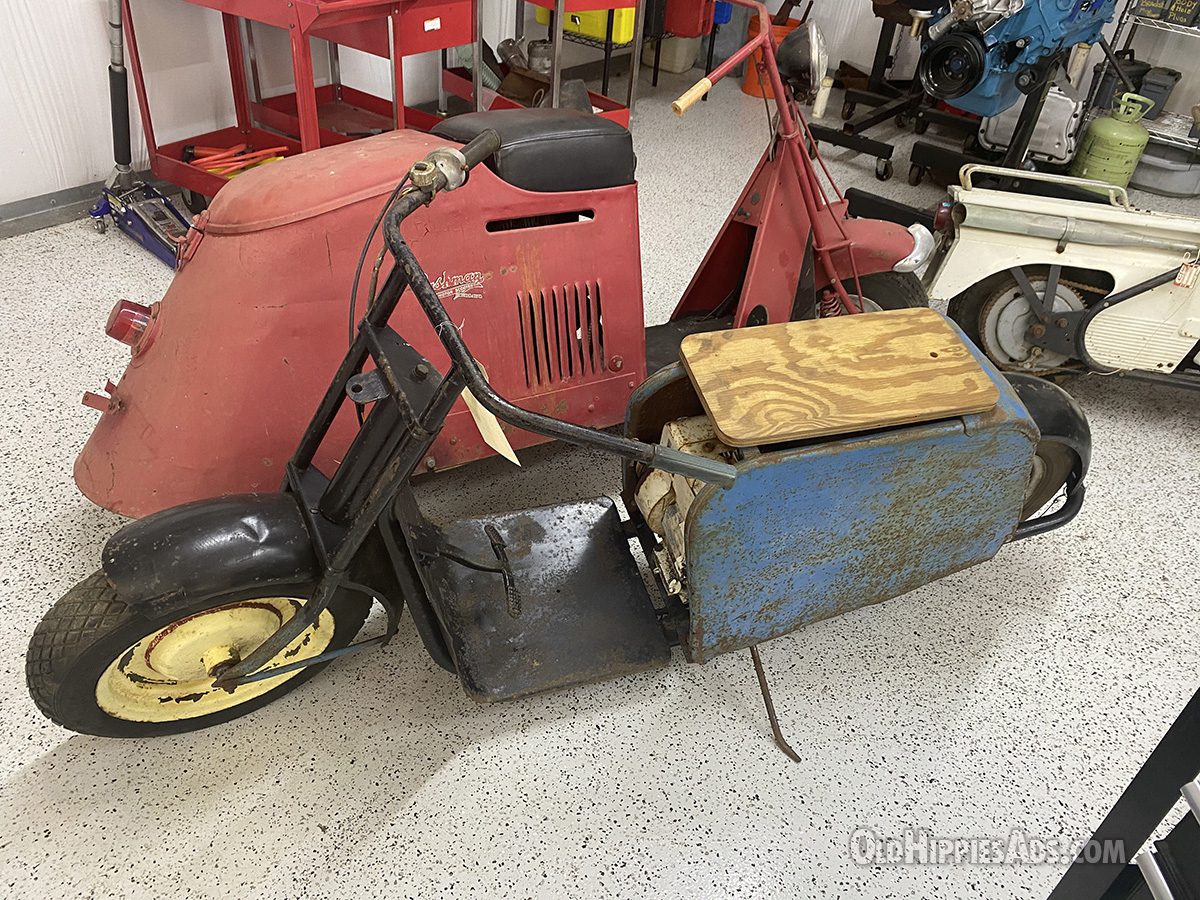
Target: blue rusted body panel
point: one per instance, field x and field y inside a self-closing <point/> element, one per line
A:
<point x="811" y="532"/>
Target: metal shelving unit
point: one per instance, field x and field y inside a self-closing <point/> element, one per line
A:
<point x="1162" y="25"/>
<point x="1170" y="129"/>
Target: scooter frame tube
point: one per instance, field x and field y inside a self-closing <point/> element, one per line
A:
<point x="400" y="463"/>
<point x="828" y="235"/>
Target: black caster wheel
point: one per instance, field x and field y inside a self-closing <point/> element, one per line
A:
<point x="916" y="174"/>
<point x="884" y="169"/>
<point x="196" y="203"/>
<point x="971" y="144"/>
<point x="101" y="225"/>
<point x="813" y="149"/>
<point x="901" y="120"/>
<point x="921" y="125"/>
<point x="848" y="110"/>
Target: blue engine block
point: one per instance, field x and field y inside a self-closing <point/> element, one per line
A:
<point x="986" y="73"/>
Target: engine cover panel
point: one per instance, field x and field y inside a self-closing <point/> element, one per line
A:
<point x="810" y="532"/>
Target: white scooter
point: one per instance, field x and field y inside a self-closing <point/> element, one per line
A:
<point x="1049" y="286"/>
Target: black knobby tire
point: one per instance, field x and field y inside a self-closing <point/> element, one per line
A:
<point x="91" y="626"/>
<point x="890" y="290"/>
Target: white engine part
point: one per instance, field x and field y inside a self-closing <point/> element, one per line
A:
<point x="664" y="499"/>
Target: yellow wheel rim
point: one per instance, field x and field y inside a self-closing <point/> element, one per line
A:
<point x="169" y="675"/>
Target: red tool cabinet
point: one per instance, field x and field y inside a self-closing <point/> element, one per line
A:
<point x="313" y="116"/>
<point x="319" y="116"/>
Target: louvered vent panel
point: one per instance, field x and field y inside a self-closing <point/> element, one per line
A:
<point x="562" y="334"/>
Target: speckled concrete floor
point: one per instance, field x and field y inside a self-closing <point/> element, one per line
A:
<point x="1020" y="695"/>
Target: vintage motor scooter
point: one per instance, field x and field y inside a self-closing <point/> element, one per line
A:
<point x="1050" y="286"/>
<point x="540" y="266"/>
<point x="774" y="477"/>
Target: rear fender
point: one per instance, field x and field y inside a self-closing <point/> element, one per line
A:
<point x="212" y="547"/>
<point x="1057" y="415"/>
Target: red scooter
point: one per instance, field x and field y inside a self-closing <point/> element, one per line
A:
<point x="538" y="265"/>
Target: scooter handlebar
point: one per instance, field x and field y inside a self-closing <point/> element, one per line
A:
<point x="762" y="41"/>
<point x="691" y="96"/>
<point x="480" y="147"/>
<point x="689" y="465"/>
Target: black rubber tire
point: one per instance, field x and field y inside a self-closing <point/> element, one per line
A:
<point x="884" y="169"/>
<point x="891" y="290"/>
<point x="91" y="625"/>
<point x="916" y="174"/>
<point x="967" y="308"/>
<point x="1058" y="461"/>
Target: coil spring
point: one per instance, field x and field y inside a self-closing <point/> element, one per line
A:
<point x="831" y="305"/>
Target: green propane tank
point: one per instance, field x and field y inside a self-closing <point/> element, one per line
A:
<point x="1114" y="143"/>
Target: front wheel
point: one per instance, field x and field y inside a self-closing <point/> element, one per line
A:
<point x="888" y="290"/>
<point x="100" y="665"/>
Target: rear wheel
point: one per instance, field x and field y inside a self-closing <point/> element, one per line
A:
<point x="1052" y="465"/>
<point x="995" y="314"/>
<point x="99" y="665"/>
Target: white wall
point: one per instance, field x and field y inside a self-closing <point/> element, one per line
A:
<point x="54" y="83"/>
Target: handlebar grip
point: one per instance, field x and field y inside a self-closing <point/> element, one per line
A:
<point x="692" y="466"/>
<point x="691" y="96"/>
<point x="480" y="147"/>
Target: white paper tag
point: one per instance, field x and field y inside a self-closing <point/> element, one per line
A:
<point x="489" y="426"/>
<point x="1189" y="274"/>
<point x="433" y="24"/>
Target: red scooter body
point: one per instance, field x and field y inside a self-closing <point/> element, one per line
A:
<point x="240" y="349"/>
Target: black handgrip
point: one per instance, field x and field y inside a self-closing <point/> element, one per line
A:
<point x="481" y="147"/>
<point x="118" y="100"/>
<point x="690" y="465"/>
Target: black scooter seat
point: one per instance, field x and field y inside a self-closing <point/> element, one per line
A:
<point x="550" y="150"/>
<point x="586" y="614"/>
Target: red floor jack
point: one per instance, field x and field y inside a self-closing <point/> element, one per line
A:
<point x="140" y="210"/>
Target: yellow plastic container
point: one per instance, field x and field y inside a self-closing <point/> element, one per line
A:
<point x="594" y="23"/>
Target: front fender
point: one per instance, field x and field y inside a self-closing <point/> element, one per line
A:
<point x="211" y="547"/>
<point x="878" y="247"/>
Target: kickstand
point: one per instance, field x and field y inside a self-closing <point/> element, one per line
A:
<point x="766" y="695"/>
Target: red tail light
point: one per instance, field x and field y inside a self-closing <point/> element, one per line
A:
<point x="128" y="322"/>
<point x="944" y="216"/>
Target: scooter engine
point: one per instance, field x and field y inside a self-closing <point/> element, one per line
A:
<point x="664" y="499"/>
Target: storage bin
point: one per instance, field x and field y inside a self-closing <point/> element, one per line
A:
<point x="1157" y="86"/>
<point x="594" y="23"/>
<point x="1111" y="86"/>
<point x="678" y="54"/>
<point x="1169" y="171"/>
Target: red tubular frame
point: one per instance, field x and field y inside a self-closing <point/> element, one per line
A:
<point x="791" y="127"/>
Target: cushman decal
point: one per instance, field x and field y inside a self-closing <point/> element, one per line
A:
<point x="467" y="286"/>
